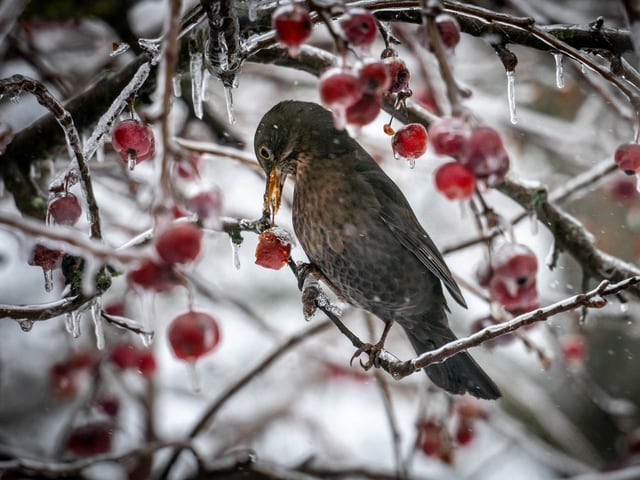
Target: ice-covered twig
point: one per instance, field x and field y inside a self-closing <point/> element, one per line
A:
<point x="14" y="86"/>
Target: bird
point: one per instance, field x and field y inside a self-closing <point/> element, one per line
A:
<point x="359" y="231"/>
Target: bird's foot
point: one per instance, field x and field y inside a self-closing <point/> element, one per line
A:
<point x="373" y="352"/>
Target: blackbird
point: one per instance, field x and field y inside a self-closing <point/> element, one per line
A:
<point x="359" y="231"/>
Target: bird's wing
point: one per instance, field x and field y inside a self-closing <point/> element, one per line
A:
<point x="397" y="215"/>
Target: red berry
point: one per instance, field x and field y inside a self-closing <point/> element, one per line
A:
<point x="189" y="168"/>
<point x="398" y="73"/>
<point x="193" y="334"/>
<point x="62" y="381"/>
<point x="339" y="89"/>
<point x="513" y="283"/>
<point x="448" y="135"/>
<point x="359" y="27"/>
<point x="365" y="110"/>
<point x="179" y="243"/>
<point x="147" y="364"/>
<point x="293" y="26"/>
<point x="205" y="204"/>
<point x="91" y="439"/>
<point x="410" y="141"/>
<point x="485" y="156"/>
<point x="483" y="272"/>
<point x="153" y="276"/>
<point x="45" y="257"/>
<point x="109" y="405"/>
<point x="65" y="210"/>
<point x="374" y="77"/>
<point x="449" y="30"/>
<point x="624" y="190"/>
<point x="470" y="408"/>
<point x="425" y="98"/>
<point x="513" y="298"/>
<point x="455" y="181"/>
<point x="273" y="249"/>
<point x="574" y="349"/>
<point x="430" y="437"/>
<point x="116" y="309"/>
<point x="82" y="360"/>
<point x="465" y="433"/>
<point x="627" y="157"/>
<point x="134" y="141"/>
<point x="124" y="355"/>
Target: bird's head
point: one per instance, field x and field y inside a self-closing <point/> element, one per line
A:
<point x="290" y="133"/>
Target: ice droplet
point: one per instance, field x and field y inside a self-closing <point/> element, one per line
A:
<point x="235" y="252"/>
<point x="511" y="96"/>
<point x="72" y="323"/>
<point x="228" y="97"/>
<point x="195" y="68"/>
<point x="559" y="70"/>
<point x="96" y="309"/>
<point x="48" y="279"/>
<point x="147" y="338"/>
<point x="411" y="162"/>
<point x="26" y="325"/>
<point x="131" y="159"/>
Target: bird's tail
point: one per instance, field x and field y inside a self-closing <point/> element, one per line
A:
<point x="457" y="374"/>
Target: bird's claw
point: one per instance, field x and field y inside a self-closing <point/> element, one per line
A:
<point x="372" y="351"/>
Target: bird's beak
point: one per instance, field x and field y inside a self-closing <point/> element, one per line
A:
<point x="273" y="193"/>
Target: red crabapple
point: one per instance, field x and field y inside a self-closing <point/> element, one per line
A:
<point x="398" y="73"/>
<point x="65" y="210"/>
<point x="359" y="27"/>
<point x="151" y="275"/>
<point x="574" y="349"/>
<point x="124" y="355"/>
<point x="193" y="334"/>
<point x="206" y="204"/>
<point x="449" y="30"/>
<point x="62" y="381"/>
<point x="109" y="404"/>
<point x="273" y="249"/>
<point x="374" y="77"/>
<point x="146" y="364"/>
<point x="134" y="141"/>
<point x="448" y="135"/>
<point x="513" y="281"/>
<point x="365" y="110"/>
<point x="293" y="26"/>
<point x="90" y="439"/>
<point x="47" y="258"/>
<point x="179" y="243"/>
<point x="455" y="181"/>
<point x="484" y="155"/>
<point x="410" y="141"/>
<point x="627" y="157"/>
<point x="339" y="89"/>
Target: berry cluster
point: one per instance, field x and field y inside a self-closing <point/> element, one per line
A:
<point x="478" y="152"/>
<point x="437" y="438"/>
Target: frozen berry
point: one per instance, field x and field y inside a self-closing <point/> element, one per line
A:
<point x="90" y="439"/>
<point x="374" y="77"/>
<point x="273" y="249"/>
<point x="65" y="210"/>
<point x="359" y="27"/>
<point x="193" y="334"/>
<point x="339" y="89"/>
<point x="179" y="243"/>
<point x="134" y="141"/>
<point x="398" y="73"/>
<point x="189" y="168"/>
<point x="627" y="157"/>
<point x="109" y="404"/>
<point x="465" y="433"/>
<point x="47" y="258"/>
<point x="431" y="438"/>
<point x="365" y="110"/>
<point x="410" y="141"/>
<point x="486" y="156"/>
<point x="62" y="381"/>
<point x="151" y="275"/>
<point x="448" y="135"/>
<point x="449" y="30"/>
<point x="513" y="281"/>
<point x="124" y="355"/>
<point x="116" y="308"/>
<point x="206" y="204"/>
<point x="146" y="364"/>
<point x="455" y="181"/>
<point x="293" y="26"/>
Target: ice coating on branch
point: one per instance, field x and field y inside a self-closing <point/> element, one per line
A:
<point x="103" y="128"/>
<point x="26" y="325"/>
<point x="511" y="96"/>
<point x="235" y="252"/>
<point x="228" y="97"/>
<point x="72" y="323"/>
<point x="558" y="57"/>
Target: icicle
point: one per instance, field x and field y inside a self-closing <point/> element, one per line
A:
<point x="89" y="271"/>
<point x="72" y="324"/>
<point x="26" y="325"/>
<point x="253" y="10"/>
<point x="559" y="70"/>
<point x="48" y="279"/>
<point x="511" y="96"/>
<point x="533" y="219"/>
<point x="638" y="182"/>
<point x="195" y="68"/>
<point x="99" y="152"/>
<point x="235" y="251"/>
<point x="195" y="378"/>
<point x="228" y="96"/>
<point x="147" y="338"/>
<point x="176" y="84"/>
<point x="132" y="159"/>
<point x="96" y="310"/>
<point x="205" y="85"/>
<point x="339" y="116"/>
<point x="411" y="162"/>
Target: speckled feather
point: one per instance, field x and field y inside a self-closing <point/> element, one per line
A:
<point x="358" y="229"/>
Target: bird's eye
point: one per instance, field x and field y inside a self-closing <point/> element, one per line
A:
<point x="264" y="152"/>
